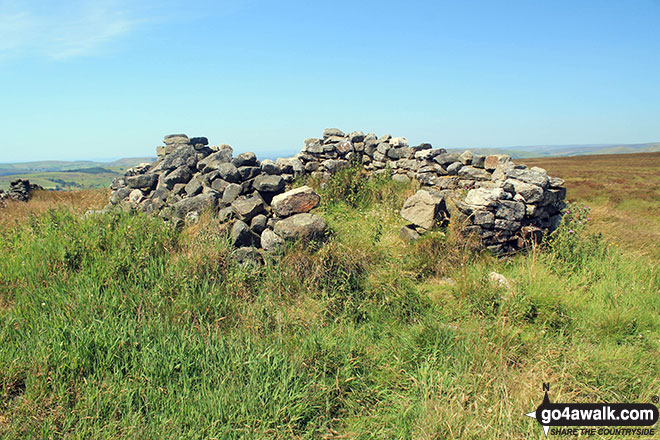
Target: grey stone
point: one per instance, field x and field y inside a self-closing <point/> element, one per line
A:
<point x="267" y="183"/>
<point x="248" y="159"/>
<point x="248" y="256"/>
<point x="197" y="203"/>
<point x="424" y="209"/>
<point x="219" y="185"/>
<point x="258" y="223"/>
<point x="183" y="174"/>
<point x="303" y="226"/>
<point x="493" y="160"/>
<point x="484" y="196"/>
<point x="510" y="210"/>
<point x="142" y="181"/>
<point x="182" y="155"/>
<point x="200" y="140"/>
<point x="446" y="158"/>
<point x="466" y="157"/>
<point x="400" y="178"/>
<point x="229" y="172"/>
<point x="472" y="173"/>
<point x="270" y="167"/>
<point x="194" y="187"/>
<point x="530" y="193"/>
<point x="136" y="196"/>
<point x="213" y="161"/>
<point x="334" y="165"/>
<point x="231" y="192"/>
<point x="249" y="172"/>
<point x="332" y="132"/>
<point x="270" y="240"/>
<point x="454" y="168"/>
<point x="398" y="142"/>
<point x="241" y="235"/>
<point x="247" y="208"/>
<point x="171" y="139"/>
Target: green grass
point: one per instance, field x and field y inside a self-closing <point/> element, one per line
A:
<point x="115" y="326"/>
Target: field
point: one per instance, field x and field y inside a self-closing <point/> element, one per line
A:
<point x="116" y="326"/>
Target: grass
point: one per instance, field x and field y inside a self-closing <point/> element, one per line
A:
<point x="116" y="326"/>
<point x="623" y="192"/>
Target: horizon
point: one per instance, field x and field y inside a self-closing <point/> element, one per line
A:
<point x="99" y="78"/>
<point x="294" y="151"/>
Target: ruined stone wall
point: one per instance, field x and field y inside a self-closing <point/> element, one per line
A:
<point x="505" y="204"/>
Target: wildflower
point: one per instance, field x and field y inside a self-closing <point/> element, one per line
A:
<point x="570" y="231"/>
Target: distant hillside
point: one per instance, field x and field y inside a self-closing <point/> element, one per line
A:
<point x="522" y="152"/>
<point x="67" y="175"/>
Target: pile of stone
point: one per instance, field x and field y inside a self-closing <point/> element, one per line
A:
<point x="507" y="205"/>
<point x="19" y="190"/>
<point x="190" y="176"/>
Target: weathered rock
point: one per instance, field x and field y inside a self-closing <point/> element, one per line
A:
<point x="492" y="161"/>
<point x="231" y="192"/>
<point x="248" y="173"/>
<point x="142" y="181"/>
<point x="424" y="209"/>
<point x="213" y="162"/>
<point x="295" y="201"/>
<point x="328" y="132"/>
<point x="270" y="167"/>
<point x="248" y="159"/>
<point x="198" y="203"/>
<point x="303" y="226"/>
<point x="248" y="207"/>
<point x="229" y="173"/>
<point x="176" y="139"/>
<point x="182" y="174"/>
<point x="472" y="173"/>
<point x="267" y="183"/>
<point x="270" y="240"/>
<point x="242" y="236"/>
<point x="258" y="223"/>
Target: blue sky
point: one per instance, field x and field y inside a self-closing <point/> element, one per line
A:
<point x="109" y="78"/>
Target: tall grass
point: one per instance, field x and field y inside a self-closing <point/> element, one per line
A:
<point x="116" y="326"/>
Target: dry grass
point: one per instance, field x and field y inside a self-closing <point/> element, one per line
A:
<point x="42" y="201"/>
<point x="623" y="191"/>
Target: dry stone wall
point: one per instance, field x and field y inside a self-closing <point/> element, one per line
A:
<point x="507" y="205"/>
<point x="19" y="190"/>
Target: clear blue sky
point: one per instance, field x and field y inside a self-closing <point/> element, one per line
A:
<point x="93" y="79"/>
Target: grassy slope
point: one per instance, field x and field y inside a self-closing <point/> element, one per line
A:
<point x="115" y="326"/>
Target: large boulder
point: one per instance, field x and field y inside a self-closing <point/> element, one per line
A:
<point x="424" y="209"/>
<point x="295" y="201"/>
<point x="247" y="208"/>
<point x="213" y="161"/>
<point x="197" y="203"/>
<point x="304" y="226"/>
<point x="268" y="183"/>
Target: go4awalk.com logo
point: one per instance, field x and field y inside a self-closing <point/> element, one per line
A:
<point x="595" y="418"/>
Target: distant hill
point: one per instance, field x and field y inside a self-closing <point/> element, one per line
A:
<point x="522" y="152"/>
<point x="67" y="175"/>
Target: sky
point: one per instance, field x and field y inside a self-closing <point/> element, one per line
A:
<point x="101" y="79"/>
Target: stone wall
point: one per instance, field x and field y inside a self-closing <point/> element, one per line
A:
<point x="19" y="190"/>
<point x="505" y="204"/>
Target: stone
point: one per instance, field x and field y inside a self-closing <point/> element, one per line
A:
<point x="226" y="214"/>
<point x="334" y="165"/>
<point x="248" y="207"/>
<point x="200" y="140"/>
<point x="454" y="168"/>
<point x="356" y="136"/>
<point x="182" y="155"/>
<point x="484" y="196"/>
<point x="344" y="147"/>
<point x="270" y="240"/>
<point x="424" y="209"/>
<point x="398" y="142"/>
<point x="530" y="193"/>
<point x="332" y="132"/>
<point x="241" y="235"/>
<point x="303" y="226"/>
<point x="478" y="160"/>
<point x="258" y="223"/>
<point x="194" y="187"/>
<point x="270" y="167"/>
<point x="268" y="183"/>
<point x="183" y="174"/>
<point x="249" y="172"/>
<point x="396" y="153"/>
<point x="197" y="203"/>
<point x="213" y="161"/>
<point x="219" y="185"/>
<point x="142" y="181"/>
<point x="483" y="218"/>
<point x="228" y="172"/>
<point x="295" y="201"/>
<point x="231" y="192"/>
<point x="466" y="157"/>
<point x="409" y="234"/>
<point x="472" y="173"/>
<point x="446" y="158"/>
<point x="248" y="159"/>
<point x="136" y="196"/>
<point x="510" y="210"/>
<point x="493" y="160"/>
<point x="171" y="139"/>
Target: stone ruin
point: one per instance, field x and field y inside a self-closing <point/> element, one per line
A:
<point x="19" y="190"/>
<point x="508" y="206"/>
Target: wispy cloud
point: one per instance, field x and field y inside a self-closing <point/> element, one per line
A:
<point x="65" y="29"/>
